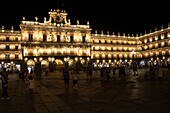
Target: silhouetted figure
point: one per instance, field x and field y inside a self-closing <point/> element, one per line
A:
<point x="5" y="85"/>
<point x="101" y="74"/>
<point x="66" y="78"/>
<point x="114" y="70"/>
<point x="90" y="73"/>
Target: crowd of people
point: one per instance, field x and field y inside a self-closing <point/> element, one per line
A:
<point x="154" y="73"/>
<point x="73" y="75"/>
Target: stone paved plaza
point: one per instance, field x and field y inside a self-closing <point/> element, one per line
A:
<point x="135" y="95"/>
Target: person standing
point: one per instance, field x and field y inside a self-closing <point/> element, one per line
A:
<point x="160" y="74"/>
<point x="108" y="73"/>
<point x="95" y="73"/>
<point x="124" y="72"/>
<point x="66" y="78"/>
<point x="26" y="76"/>
<point x="87" y="73"/>
<point x="114" y="71"/>
<point x="5" y="85"/>
<point x="101" y="74"/>
<point x="75" y="79"/>
<point x="90" y="73"/>
<point x="31" y="82"/>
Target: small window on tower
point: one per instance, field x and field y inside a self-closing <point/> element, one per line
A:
<point x="58" y="18"/>
<point x="52" y="21"/>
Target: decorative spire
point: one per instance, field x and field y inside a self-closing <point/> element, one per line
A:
<point x="162" y="27"/>
<point x="77" y="22"/>
<point x="23" y="18"/>
<point x="45" y="19"/>
<point x="102" y="32"/>
<point x="124" y="34"/>
<point x="12" y="28"/>
<point x="107" y="32"/>
<point x="36" y="18"/>
<point x="88" y="23"/>
<point x="95" y="31"/>
<point x="3" y="28"/>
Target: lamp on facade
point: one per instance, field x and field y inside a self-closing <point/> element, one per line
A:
<point x="40" y="59"/>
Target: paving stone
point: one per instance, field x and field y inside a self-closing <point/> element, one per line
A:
<point x="108" y="96"/>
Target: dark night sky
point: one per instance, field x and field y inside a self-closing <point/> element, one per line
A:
<point x="107" y="15"/>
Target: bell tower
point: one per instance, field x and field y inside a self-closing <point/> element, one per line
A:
<point x="57" y="16"/>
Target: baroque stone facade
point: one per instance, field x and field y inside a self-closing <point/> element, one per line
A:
<point x="57" y="43"/>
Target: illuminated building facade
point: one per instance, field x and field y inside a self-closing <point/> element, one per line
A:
<point x="111" y="50"/>
<point x="50" y="44"/>
<point x="57" y="43"/>
<point x="146" y="50"/>
<point x="10" y="49"/>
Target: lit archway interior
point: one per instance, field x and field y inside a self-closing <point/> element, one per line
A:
<point x="30" y="62"/>
<point x="59" y="63"/>
<point x="45" y="63"/>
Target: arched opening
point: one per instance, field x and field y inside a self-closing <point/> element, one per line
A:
<point x="30" y="65"/>
<point x="59" y="64"/>
<point x="44" y="65"/>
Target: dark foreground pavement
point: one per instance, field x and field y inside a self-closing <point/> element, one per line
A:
<point x="113" y="96"/>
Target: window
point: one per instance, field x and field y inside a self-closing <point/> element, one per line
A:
<point x="16" y="56"/>
<point x="71" y="39"/>
<point x="111" y="42"/>
<point x="30" y="37"/>
<point x="44" y="37"/>
<point x="16" y="47"/>
<point x="52" y="20"/>
<point x="159" y="37"/>
<point x="7" y="56"/>
<point x="7" y="38"/>
<point x="84" y="39"/>
<point x="58" y="38"/>
<point x="58" y="18"/>
<point x="7" y="47"/>
<point x="166" y="36"/>
<point x="16" y="38"/>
